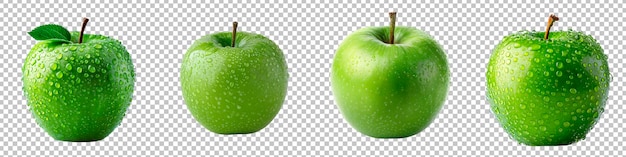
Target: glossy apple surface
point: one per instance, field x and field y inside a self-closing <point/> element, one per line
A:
<point x="389" y="90"/>
<point x="548" y="92"/>
<point x="78" y="91"/>
<point x="234" y="90"/>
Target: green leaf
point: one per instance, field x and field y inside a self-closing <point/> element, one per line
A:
<point x="50" y="31"/>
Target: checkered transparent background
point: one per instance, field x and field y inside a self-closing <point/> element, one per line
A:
<point x="309" y="124"/>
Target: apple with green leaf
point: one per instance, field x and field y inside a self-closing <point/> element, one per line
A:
<point x="390" y="82"/>
<point x="548" y="88"/>
<point x="78" y="86"/>
<point x="234" y="83"/>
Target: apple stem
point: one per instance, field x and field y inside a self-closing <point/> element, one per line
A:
<point x="392" y="26"/>
<point x="82" y="29"/>
<point x="551" y="20"/>
<point x="234" y="34"/>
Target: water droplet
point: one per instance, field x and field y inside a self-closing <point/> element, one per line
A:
<point x="535" y="47"/>
<point x="60" y="56"/>
<point x="579" y="75"/>
<point x="564" y="53"/>
<point x="545" y="98"/>
<point x="59" y="74"/>
<point x="68" y="66"/>
<point x="57" y="85"/>
<point x="546" y="73"/>
<point x="543" y="128"/>
<point x="54" y="66"/>
<point x="559" y="104"/>
<point x="568" y="60"/>
<point x="573" y="90"/>
<point x="88" y="56"/>
<point x="559" y="73"/>
<point x="550" y="50"/>
<point x="566" y="124"/>
<point x="98" y="46"/>
<point x="559" y="65"/>
<point x="73" y="48"/>
<point x="91" y="69"/>
<point x="79" y="70"/>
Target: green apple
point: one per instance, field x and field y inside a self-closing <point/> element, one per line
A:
<point x="234" y="83"/>
<point x="389" y="88"/>
<point x="548" y="88"/>
<point x="78" y="86"/>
